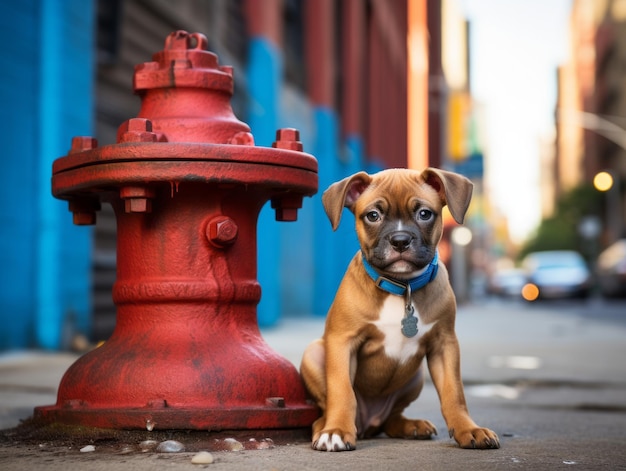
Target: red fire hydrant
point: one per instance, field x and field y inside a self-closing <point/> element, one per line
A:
<point x="187" y="184"/>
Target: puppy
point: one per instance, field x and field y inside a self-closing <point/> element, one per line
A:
<point x="394" y="307"/>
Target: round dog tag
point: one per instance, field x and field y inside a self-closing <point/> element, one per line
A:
<point x="409" y="326"/>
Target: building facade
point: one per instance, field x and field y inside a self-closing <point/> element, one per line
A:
<point x="591" y="108"/>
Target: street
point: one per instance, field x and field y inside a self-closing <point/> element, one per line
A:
<point x="549" y="378"/>
<point x="574" y="340"/>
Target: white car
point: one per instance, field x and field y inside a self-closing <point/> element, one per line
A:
<point x="556" y="274"/>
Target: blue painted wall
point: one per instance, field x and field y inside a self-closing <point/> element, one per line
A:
<point x="264" y="71"/>
<point x="300" y="263"/>
<point x="46" y="90"/>
<point x="338" y="158"/>
<point x="328" y="271"/>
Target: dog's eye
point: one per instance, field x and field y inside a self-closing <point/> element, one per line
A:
<point x="425" y="214"/>
<point x="373" y="216"/>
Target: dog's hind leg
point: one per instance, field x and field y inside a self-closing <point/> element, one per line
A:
<point x="398" y="426"/>
<point x="312" y="372"/>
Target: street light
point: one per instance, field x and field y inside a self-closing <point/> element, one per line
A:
<point x="593" y="122"/>
<point x="608" y="183"/>
<point x="603" y="181"/>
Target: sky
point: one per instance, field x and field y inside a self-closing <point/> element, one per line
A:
<point x="515" y="49"/>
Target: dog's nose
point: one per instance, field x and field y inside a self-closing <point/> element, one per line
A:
<point x="400" y="240"/>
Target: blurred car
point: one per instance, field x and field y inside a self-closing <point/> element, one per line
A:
<point x="507" y="282"/>
<point x="611" y="270"/>
<point x="555" y="274"/>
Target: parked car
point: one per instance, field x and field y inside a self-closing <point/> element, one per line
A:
<point x="507" y="282"/>
<point x="611" y="270"/>
<point x="555" y="274"/>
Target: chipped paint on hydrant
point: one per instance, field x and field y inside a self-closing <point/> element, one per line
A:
<point x="187" y="184"/>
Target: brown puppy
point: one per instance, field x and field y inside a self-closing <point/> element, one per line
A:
<point x="394" y="307"/>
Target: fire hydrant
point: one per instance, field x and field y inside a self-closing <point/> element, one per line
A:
<point x="186" y="183"/>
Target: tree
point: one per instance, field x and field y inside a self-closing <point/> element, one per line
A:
<point x="560" y="231"/>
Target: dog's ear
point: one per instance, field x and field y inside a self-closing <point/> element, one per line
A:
<point x="455" y="190"/>
<point x="342" y="194"/>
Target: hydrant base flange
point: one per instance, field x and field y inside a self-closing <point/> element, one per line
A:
<point x="217" y="419"/>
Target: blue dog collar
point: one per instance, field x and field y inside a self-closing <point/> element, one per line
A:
<point x="398" y="287"/>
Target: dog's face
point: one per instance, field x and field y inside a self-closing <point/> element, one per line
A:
<point x="398" y="214"/>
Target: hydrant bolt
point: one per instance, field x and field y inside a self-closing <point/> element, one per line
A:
<point x="221" y="231"/>
<point x="84" y="211"/>
<point x="286" y="207"/>
<point x="83" y="143"/>
<point x="137" y="199"/>
<point x="242" y="138"/>
<point x="136" y="130"/>
<point x="276" y="401"/>
<point x="288" y="138"/>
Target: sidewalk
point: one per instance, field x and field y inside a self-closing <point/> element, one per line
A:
<point x="568" y="413"/>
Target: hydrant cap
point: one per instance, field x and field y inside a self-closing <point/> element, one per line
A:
<point x="183" y="62"/>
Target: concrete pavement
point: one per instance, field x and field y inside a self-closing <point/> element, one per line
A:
<point x="551" y="384"/>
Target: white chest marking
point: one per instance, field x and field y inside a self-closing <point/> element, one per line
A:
<point x="389" y="323"/>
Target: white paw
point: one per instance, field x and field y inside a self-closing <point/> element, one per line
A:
<point x="332" y="442"/>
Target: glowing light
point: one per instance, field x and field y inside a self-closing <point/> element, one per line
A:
<point x="461" y="236"/>
<point x="603" y="181"/>
<point x="530" y="292"/>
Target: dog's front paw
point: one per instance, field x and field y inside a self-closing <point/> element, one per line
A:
<point x="476" y="438"/>
<point x="334" y="440"/>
